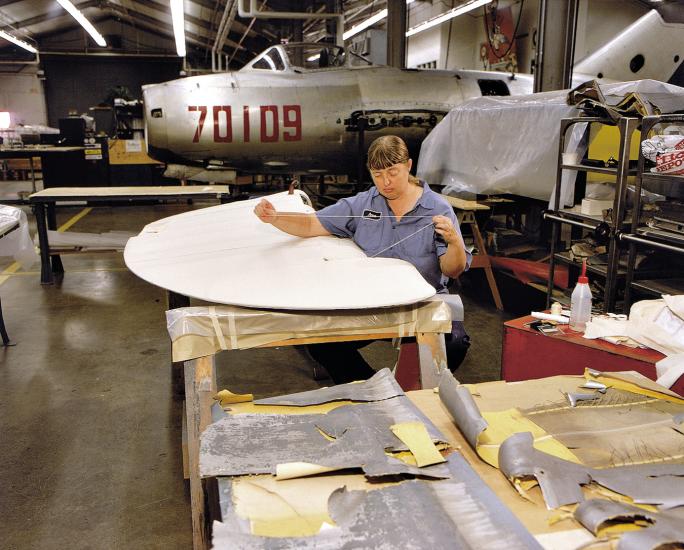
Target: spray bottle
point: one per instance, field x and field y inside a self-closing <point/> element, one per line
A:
<point x="580" y="303"/>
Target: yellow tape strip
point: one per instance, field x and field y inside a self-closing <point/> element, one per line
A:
<point x="82" y="214"/>
<point x="13" y="268"/>
<point x="416" y="437"/>
<point x="503" y="424"/>
<point x="630" y="387"/>
<point x="8" y="272"/>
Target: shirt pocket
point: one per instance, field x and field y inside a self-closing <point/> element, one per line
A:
<point x="369" y="236"/>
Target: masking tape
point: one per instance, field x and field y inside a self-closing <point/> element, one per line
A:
<point x="217" y="327"/>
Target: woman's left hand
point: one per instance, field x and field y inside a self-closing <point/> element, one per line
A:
<point x="445" y="227"/>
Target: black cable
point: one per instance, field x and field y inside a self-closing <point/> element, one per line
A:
<point x="515" y="32"/>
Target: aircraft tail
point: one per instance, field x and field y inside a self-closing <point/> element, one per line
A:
<point x="648" y="48"/>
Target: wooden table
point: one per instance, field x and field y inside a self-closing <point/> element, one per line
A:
<point x="200" y="387"/>
<point x="527" y="354"/>
<point x="44" y="203"/>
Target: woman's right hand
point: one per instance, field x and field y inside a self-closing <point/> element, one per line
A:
<point x="265" y="211"/>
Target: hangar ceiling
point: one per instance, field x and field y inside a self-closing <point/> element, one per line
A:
<point x="37" y="21"/>
<point x="43" y="23"/>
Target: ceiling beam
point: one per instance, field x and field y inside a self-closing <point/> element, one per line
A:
<point x="36" y="20"/>
<point x="135" y="18"/>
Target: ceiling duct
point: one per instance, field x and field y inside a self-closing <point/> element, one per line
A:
<point x="221" y="33"/>
<point x="252" y="11"/>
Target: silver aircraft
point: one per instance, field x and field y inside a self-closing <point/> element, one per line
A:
<point x="301" y="108"/>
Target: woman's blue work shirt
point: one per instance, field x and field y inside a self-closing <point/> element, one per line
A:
<point x="375" y="229"/>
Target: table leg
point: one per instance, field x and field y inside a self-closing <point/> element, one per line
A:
<point x="33" y="174"/>
<point x="200" y="387"/>
<point x="175" y="301"/>
<point x="57" y="266"/>
<point x="432" y="357"/>
<point x="45" y="271"/>
<point x="3" y="331"/>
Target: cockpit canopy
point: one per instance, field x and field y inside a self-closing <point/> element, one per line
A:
<point x="301" y="56"/>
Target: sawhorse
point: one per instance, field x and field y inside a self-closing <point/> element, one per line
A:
<point x="465" y="212"/>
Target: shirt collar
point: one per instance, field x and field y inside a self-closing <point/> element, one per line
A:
<point x="427" y="198"/>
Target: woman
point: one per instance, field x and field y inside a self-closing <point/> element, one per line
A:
<point x="400" y="217"/>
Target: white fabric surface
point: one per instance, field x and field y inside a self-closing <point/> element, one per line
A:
<point x="16" y="244"/>
<point x="657" y="324"/>
<point x="226" y="255"/>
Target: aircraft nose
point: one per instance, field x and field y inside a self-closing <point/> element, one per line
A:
<point x="156" y="117"/>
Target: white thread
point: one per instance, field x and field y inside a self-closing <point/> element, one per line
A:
<point x="401" y="240"/>
<point x="293" y="214"/>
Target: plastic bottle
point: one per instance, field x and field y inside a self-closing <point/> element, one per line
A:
<point x="580" y="302"/>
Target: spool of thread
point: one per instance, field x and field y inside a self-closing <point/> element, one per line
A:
<point x="556" y="309"/>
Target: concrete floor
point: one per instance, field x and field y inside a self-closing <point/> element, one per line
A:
<point x="89" y="432"/>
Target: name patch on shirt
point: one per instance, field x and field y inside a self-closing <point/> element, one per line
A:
<point x="372" y="214"/>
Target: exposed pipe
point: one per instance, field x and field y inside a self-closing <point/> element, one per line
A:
<point x="255" y="13"/>
<point x="230" y="4"/>
<point x="224" y="34"/>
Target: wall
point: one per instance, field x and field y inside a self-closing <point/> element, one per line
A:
<point x="77" y="83"/>
<point x="601" y="20"/>
<point x="21" y="93"/>
<point x="598" y="21"/>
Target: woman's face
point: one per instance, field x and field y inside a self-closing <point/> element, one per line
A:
<point x="392" y="182"/>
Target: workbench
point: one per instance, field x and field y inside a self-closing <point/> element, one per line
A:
<point x="528" y="354"/>
<point x="203" y="331"/>
<point x="45" y="202"/>
<point x="30" y="152"/>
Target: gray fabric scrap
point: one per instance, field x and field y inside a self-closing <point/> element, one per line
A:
<point x="574" y="398"/>
<point x="453" y="514"/>
<point x="380" y="386"/>
<point x="378" y="417"/>
<point x="667" y="528"/>
<point x="560" y="480"/>
<point x="462" y="407"/>
<point x="256" y="443"/>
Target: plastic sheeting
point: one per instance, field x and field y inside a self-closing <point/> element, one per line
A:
<point x="17" y="243"/>
<point x="494" y="145"/>
<point x="201" y="331"/>
<point x="657" y="324"/>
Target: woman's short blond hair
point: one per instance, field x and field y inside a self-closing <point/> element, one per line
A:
<point x="387" y="151"/>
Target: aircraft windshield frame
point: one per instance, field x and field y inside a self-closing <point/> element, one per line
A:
<point x="305" y="57"/>
<point x="314" y="56"/>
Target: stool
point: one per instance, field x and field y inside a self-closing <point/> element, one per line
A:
<point x="465" y="211"/>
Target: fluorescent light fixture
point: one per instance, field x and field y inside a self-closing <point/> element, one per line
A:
<point x="454" y="12"/>
<point x="87" y="25"/>
<point x="5" y="121"/>
<point x="179" y="26"/>
<point x="372" y="20"/>
<point x="14" y="40"/>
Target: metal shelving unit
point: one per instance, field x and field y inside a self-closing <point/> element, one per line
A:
<point x="645" y="236"/>
<point x="626" y="127"/>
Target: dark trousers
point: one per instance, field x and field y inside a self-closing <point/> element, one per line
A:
<point x="344" y="363"/>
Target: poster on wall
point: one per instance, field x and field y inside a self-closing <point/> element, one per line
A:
<point x="498" y="52"/>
